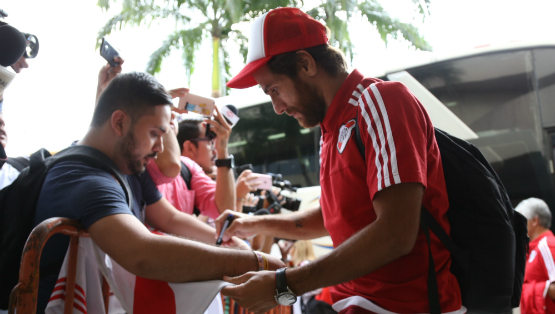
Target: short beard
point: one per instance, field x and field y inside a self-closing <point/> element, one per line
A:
<point x="311" y="104"/>
<point x="127" y="148"/>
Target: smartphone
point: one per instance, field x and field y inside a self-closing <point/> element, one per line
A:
<point x="197" y="104"/>
<point x="265" y="182"/>
<point x="108" y="52"/>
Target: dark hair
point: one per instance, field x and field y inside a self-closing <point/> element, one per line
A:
<point x="188" y="130"/>
<point x="329" y="58"/>
<point x="134" y="93"/>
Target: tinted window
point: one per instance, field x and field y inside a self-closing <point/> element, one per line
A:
<point x="276" y="144"/>
<point x="544" y="60"/>
<point x="494" y="95"/>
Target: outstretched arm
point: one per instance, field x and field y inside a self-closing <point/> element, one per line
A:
<point x="167" y="258"/>
<point x="392" y="235"/>
<point x="302" y="225"/>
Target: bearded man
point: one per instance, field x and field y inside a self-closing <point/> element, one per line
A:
<point x="371" y="201"/>
<point x="132" y="115"/>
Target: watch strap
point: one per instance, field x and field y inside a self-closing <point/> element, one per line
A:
<point x="281" y="283"/>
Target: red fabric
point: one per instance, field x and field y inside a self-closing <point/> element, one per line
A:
<point x="153" y="296"/>
<point x="410" y="154"/>
<point x="355" y="310"/>
<point x="536" y="277"/>
<point x="324" y="296"/>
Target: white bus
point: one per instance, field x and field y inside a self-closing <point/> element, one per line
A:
<point x="501" y="99"/>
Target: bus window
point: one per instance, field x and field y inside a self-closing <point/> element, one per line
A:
<point x="276" y="144"/>
<point x="494" y="95"/>
<point x="544" y="60"/>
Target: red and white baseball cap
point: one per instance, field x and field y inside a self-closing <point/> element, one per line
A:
<point x="278" y="31"/>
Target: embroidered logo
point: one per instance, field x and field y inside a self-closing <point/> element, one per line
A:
<point x="344" y="135"/>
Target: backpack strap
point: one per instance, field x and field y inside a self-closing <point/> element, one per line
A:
<point x="94" y="158"/>
<point x="433" y="293"/>
<point x="358" y="140"/>
<point x="19" y="163"/>
<point x="186" y="175"/>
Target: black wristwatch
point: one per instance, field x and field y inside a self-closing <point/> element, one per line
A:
<point x="284" y="295"/>
<point x="229" y="162"/>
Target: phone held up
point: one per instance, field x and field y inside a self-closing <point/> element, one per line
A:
<point x="108" y="52"/>
<point x="198" y="104"/>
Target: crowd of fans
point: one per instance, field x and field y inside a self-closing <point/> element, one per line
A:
<point x="169" y="161"/>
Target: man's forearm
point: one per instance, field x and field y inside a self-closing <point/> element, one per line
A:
<point x="304" y="225"/>
<point x="190" y="227"/>
<point x="177" y="260"/>
<point x="225" y="189"/>
<point x="169" y="161"/>
<point x="392" y="235"/>
<point x="367" y="251"/>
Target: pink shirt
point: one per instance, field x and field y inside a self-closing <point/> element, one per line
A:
<point x="202" y="195"/>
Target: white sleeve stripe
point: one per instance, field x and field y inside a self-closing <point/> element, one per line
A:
<point x="356" y="94"/>
<point x="547" y="258"/>
<point x="374" y="143"/>
<point x="353" y="102"/>
<point x="360" y="88"/>
<point x="379" y="127"/>
<point x="390" y="142"/>
<point x="547" y="284"/>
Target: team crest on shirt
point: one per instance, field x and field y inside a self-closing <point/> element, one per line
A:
<point x="345" y="134"/>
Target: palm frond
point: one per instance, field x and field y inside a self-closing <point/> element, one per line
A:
<point x="155" y="61"/>
<point x="191" y="40"/>
<point x="135" y="14"/>
<point x="388" y="26"/>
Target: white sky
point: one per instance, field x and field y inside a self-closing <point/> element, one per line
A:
<point x="50" y="104"/>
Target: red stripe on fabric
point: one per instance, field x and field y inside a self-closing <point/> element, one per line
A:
<point x="64" y="279"/>
<point x="58" y="288"/>
<point x="75" y="305"/>
<point x="56" y="297"/>
<point x="78" y="287"/>
<point x="81" y="299"/>
<point x="354" y="309"/>
<point x="153" y="296"/>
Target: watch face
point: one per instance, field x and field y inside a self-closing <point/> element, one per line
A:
<point x="286" y="299"/>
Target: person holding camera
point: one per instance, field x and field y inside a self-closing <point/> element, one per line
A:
<point x="371" y="200"/>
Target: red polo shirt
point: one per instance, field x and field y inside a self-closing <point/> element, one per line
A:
<point x="400" y="147"/>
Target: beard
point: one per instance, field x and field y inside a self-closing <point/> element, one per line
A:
<point x="134" y="161"/>
<point x="311" y="104"/>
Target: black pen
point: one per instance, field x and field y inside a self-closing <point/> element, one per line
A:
<point x="227" y="222"/>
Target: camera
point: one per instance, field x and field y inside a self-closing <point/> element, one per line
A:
<point x="32" y="45"/>
<point x="289" y="203"/>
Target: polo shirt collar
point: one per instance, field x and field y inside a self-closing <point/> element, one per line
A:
<point x="340" y="100"/>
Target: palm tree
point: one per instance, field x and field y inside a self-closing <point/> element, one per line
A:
<point x="196" y="20"/>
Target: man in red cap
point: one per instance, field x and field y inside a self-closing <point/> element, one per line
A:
<point x="370" y="205"/>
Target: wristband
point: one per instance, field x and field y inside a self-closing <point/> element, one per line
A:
<point x="262" y="261"/>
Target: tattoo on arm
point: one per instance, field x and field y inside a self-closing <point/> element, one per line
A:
<point x="299" y="223"/>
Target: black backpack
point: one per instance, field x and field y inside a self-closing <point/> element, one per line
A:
<point x="186" y="175"/>
<point x="18" y="203"/>
<point x="488" y="241"/>
<point x="19" y="163"/>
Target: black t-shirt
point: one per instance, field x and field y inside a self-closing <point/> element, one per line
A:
<point x="77" y="191"/>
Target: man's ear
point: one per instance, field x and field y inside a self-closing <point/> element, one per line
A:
<point x="189" y="149"/>
<point x="307" y="65"/>
<point x="535" y="221"/>
<point x="119" y="121"/>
